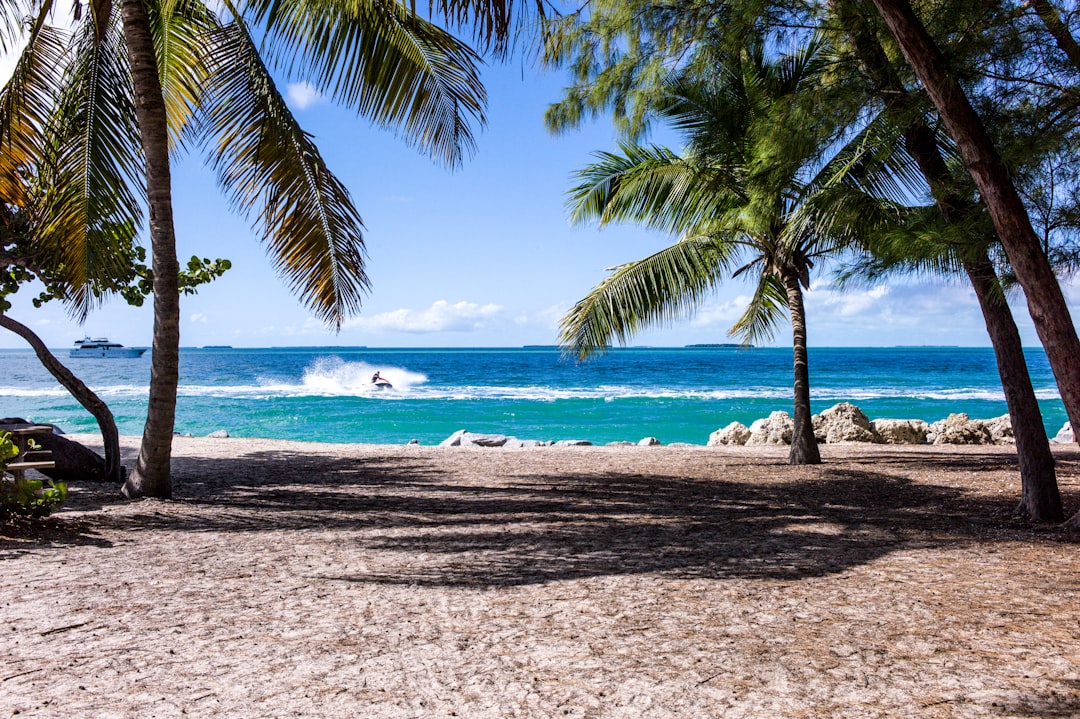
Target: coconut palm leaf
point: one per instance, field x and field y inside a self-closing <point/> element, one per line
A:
<point x="393" y="66"/>
<point x="180" y="29"/>
<point x="764" y="312"/>
<point x="659" y="289"/>
<point x="655" y="187"/>
<point x="26" y="102"/>
<point x="91" y="172"/>
<point x="269" y="166"/>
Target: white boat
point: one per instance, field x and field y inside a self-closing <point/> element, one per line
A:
<point x="102" y="347"/>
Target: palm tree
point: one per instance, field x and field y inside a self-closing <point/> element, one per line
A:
<point x="759" y="191"/>
<point x="180" y="74"/>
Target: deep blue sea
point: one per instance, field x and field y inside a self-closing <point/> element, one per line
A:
<point x="677" y="395"/>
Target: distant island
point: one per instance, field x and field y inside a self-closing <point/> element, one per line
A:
<point x="735" y="345"/>
<point x="217" y="347"/>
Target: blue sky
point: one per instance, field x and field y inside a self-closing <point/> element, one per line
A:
<point x="483" y="256"/>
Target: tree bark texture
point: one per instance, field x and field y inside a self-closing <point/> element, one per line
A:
<point x="152" y="474"/>
<point x="804" y="446"/>
<point x="1040" y="499"/>
<point x="1045" y="300"/>
<point x="113" y="471"/>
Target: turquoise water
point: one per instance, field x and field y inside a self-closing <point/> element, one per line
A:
<point x="677" y="395"/>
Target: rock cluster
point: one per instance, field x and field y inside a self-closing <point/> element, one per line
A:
<point x="845" y="423"/>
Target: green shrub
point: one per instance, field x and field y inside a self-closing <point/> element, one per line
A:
<point x="27" y="497"/>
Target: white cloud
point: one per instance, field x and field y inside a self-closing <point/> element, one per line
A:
<point x="440" y="317"/>
<point x="720" y="314"/>
<point x="547" y="318"/>
<point x="302" y="95"/>
<point x="198" y="317"/>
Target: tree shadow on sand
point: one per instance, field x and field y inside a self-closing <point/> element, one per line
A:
<point x="415" y="523"/>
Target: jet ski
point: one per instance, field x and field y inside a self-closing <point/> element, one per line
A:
<point x="383" y="384"/>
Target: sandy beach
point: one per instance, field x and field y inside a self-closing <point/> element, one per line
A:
<point x="304" y="580"/>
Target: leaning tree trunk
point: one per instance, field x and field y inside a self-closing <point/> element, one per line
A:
<point x="804" y="446"/>
<point x="85" y="396"/>
<point x="152" y="469"/>
<point x="1045" y="300"/>
<point x="1040" y="499"/>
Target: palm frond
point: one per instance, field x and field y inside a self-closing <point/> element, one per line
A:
<point x="766" y="310"/>
<point x="659" y="289"/>
<point x="180" y="29"/>
<point x="393" y="66"/>
<point x="26" y="102"/>
<point x="92" y="178"/>
<point x="654" y="187"/>
<point x="269" y="166"/>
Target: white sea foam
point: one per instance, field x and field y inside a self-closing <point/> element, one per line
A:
<point x="331" y="376"/>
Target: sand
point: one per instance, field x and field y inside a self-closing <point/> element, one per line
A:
<point x="303" y="580"/>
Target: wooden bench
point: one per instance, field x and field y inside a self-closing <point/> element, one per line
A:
<point x="28" y="458"/>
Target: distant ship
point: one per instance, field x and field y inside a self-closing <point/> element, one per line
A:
<point x="102" y="347"/>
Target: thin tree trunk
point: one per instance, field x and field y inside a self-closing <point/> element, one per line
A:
<point x="1040" y="500"/>
<point x="85" y="396"/>
<point x="1057" y="28"/>
<point x="804" y="446"/>
<point x="1045" y="300"/>
<point x="152" y="469"/>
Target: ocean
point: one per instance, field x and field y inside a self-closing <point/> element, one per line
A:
<point x="325" y="394"/>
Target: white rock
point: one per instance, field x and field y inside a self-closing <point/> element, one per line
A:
<point x="573" y="443"/>
<point x="649" y="442"/>
<point x="776" y="429"/>
<point x="1064" y="435"/>
<point x="483" y="440"/>
<point x="843" y="423"/>
<point x="454" y="440"/>
<point x="1000" y="429"/>
<point x="218" y="434"/>
<point x="620" y="443"/>
<point x="959" y="429"/>
<point x="735" y="433"/>
<point x="900" y="431"/>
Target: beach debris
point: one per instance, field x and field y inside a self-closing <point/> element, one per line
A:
<point x="900" y="431"/>
<point x="843" y="423"/>
<point x="777" y="428"/>
<point x="735" y="433"/>
<point x="218" y="434"/>
<point x="649" y="442"/>
<point x="1064" y="435"/>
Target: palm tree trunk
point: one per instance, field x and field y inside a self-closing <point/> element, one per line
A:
<point x="804" y="446"/>
<point x="1040" y="499"/>
<point x="85" y="396"/>
<point x="152" y="469"/>
<point x="1046" y="303"/>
